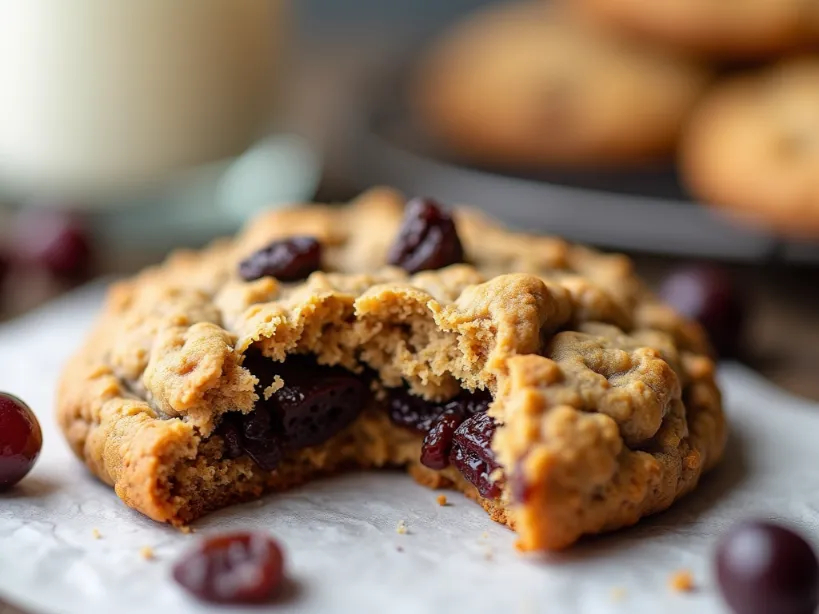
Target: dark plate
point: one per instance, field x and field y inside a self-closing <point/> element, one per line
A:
<point x="635" y="210"/>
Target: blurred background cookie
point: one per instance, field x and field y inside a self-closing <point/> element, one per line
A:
<point x="524" y="86"/>
<point x="753" y="147"/>
<point x="752" y="29"/>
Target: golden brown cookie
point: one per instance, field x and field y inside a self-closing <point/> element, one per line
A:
<point x="521" y="86"/>
<point x="751" y="29"/>
<point x="539" y="378"/>
<point x="752" y="149"/>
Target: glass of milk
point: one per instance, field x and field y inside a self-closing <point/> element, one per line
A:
<point x="102" y="98"/>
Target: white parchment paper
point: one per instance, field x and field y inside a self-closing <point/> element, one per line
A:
<point x="343" y="550"/>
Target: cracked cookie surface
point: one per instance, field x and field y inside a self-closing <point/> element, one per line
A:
<point x="605" y="407"/>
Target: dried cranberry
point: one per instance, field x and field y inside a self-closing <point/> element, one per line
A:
<point x="709" y="295"/>
<point x="412" y="412"/>
<point x="427" y="239"/>
<point x="472" y="454"/>
<point x="763" y="567"/>
<point x="438" y="441"/>
<point x="20" y="440"/>
<point x="290" y="259"/>
<point x="235" y="568"/>
<point x="316" y="402"/>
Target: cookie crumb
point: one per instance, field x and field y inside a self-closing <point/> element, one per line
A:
<point x="95" y="533"/>
<point x="147" y="553"/>
<point x="399" y="548"/>
<point x="681" y="581"/>
<point x="441" y="499"/>
<point x="401" y="529"/>
<point x="485" y="535"/>
<point x="277" y="384"/>
<point x="618" y="594"/>
<point x="186" y="530"/>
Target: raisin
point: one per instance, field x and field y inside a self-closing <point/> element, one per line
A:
<point x="427" y="239"/>
<point x="265" y="453"/>
<point x="471" y="402"/>
<point x="241" y="568"/>
<point x="231" y="437"/>
<point x="438" y="441"/>
<point x="412" y="412"/>
<point x="709" y="295"/>
<point x="55" y="241"/>
<point x="316" y="402"/>
<point x="290" y="259"/>
<point x="472" y="454"/>
<point x="258" y="424"/>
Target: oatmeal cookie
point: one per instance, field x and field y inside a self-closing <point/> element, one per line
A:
<point x="539" y="378"/>
<point x="754" y="29"/>
<point x="523" y="86"/>
<point x="753" y="148"/>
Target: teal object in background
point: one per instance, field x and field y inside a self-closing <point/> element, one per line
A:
<point x="215" y="199"/>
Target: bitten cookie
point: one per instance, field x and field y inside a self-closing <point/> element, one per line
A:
<point x="752" y="149"/>
<point x="752" y="29"/>
<point x="540" y="378"/>
<point x="522" y="86"/>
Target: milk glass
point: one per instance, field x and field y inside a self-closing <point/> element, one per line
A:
<point x="104" y="96"/>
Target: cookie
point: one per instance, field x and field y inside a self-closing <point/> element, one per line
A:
<point x="752" y="149"/>
<point x="522" y="86"/>
<point x="753" y="29"/>
<point x="539" y="378"/>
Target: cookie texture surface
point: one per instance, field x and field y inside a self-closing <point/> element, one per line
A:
<point x="754" y="29"/>
<point x="753" y="148"/>
<point x="525" y="86"/>
<point x="602" y="405"/>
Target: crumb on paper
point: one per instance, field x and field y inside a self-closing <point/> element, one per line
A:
<point x="681" y="581"/>
<point x="441" y="499"/>
<point x="185" y="529"/>
<point x="618" y="594"/>
<point x="399" y="548"/>
<point x="401" y="529"/>
<point x="95" y="533"/>
<point x="485" y="535"/>
<point x="488" y="554"/>
<point x="147" y="553"/>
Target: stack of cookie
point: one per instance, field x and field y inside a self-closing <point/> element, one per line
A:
<point x="730" y="91"/>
